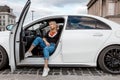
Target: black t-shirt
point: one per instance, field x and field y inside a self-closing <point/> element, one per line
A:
<point x="52" y="39"/>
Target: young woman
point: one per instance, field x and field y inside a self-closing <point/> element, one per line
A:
<point x="48" y="43"/>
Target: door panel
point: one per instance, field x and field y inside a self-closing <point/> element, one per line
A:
<point x="15" y="37"/>
<point x="82" y="45"/>
<point x="19" y="30"/>
<point x="82" y="39"/>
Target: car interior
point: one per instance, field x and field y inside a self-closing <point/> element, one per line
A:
<point x="37" y="29"/>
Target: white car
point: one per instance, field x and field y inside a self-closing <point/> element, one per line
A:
<point x="85" y="41"/>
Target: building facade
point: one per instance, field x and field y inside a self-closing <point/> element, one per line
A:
<point x="6" y="17"/>
<point x="109" y="9"/>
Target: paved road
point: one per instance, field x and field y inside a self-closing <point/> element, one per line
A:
<point x="33" y="73"/>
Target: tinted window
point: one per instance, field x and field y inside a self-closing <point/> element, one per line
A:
<point x="101" y="25"/>
<point x="81" y="22"/>
<point x="78" y="22"/>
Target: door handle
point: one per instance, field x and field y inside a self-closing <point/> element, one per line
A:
<point x="98" y="34"/>
<point x="17" y="41"/>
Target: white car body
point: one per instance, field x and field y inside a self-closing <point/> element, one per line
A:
<point x="4" y="41"/>
<point x="84" y="51"/>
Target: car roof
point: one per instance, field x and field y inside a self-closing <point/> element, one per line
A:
<point x="112" y="24"/>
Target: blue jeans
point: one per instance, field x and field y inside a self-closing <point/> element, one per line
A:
<point x="47" y="50"/>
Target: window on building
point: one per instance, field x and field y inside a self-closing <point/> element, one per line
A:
<point x="2" y="29"/>
<point x="11" y="21"/>
<point x="3" y="17"/>
<point x="0" y="23"/>
<point x="119" y="7"/>
<point x="111" y="8"/>
<point x="3" y="22"/>
<point x="8" y="20"/>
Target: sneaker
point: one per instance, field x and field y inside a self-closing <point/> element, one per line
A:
<point x="45" y="72"/>
<point x="27" y="54"/>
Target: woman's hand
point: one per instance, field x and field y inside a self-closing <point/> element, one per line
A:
<point x="47" y="43"/>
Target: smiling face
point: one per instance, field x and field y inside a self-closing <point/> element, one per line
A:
<point x="52" y="25"/>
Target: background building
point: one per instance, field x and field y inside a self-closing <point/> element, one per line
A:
<point x="109" y="9"/>
<point x="6" y="17"/>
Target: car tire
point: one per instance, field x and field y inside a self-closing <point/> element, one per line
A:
<point x="3" y="58"/>
<point x="109" y="59"/>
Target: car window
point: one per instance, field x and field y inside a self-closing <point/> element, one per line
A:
<point x="34" y="27"/>
<point x="77" y="22"/>
<point x="101" y="25"/>
<point x="82" y="22"/>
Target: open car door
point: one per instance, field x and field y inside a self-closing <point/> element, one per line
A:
<point x="15" y="37"/>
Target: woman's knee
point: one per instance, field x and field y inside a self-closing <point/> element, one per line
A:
<point x="36" y="41"/>
<point x="38" y="38"/>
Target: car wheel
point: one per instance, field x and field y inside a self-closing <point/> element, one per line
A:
<point x="3" y="58"/>
<point x="109" y="59"/>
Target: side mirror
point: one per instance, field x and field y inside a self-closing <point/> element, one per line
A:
<point x="9" y="27"/>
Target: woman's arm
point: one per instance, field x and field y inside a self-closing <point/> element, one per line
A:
<point x="46" y="42"/>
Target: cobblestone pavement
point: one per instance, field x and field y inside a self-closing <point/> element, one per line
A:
<point x="33" y="73"/>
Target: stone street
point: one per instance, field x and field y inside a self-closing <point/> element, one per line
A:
<point x="34" y="73"/>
